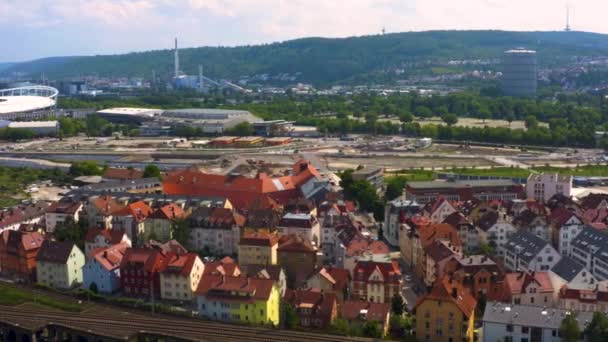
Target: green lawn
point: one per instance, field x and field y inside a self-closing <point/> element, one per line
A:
<point x="412" y="175"/>
<point x="13" y="296"/>
<point x="584" y="171"/>
<point x="14" y="180"/>
<point x="495" y="172"/>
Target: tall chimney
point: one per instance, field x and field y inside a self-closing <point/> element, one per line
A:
<point x="201" y="83"/>
<point x="176" y="62"/>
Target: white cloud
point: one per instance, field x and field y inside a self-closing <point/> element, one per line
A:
<point x="119" y="25"/>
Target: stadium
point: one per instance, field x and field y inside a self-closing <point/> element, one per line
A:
<point x="30" y="102"/>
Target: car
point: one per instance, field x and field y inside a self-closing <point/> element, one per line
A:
<point x="408" y="278"/>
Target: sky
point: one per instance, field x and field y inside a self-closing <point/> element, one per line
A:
<point x="33" y="29"/>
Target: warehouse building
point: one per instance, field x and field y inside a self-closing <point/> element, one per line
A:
<point x="129" y="115"/>
<point x="210" y="121"/>
<point x="38" y="127"/>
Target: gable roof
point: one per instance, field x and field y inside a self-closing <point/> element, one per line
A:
<point x="213" y="217"/>
<point x="272" y="272"/>
<point x="488" y="220"/>
<point x="226" y="266"/>
<point x="27" y="240"/>
<point x="259" y="239"/>
<point x="378" y="312"/>
<point x="438" y="251"/>
<point x="105" y="205"/>
<point x="22" y="213"/>
<point x="112" y="236"/>
<point x="151" y="260"/>
<point x="224" y="287"/>
<point x="441" y="231"/>
<point x="320" y="303"/>
<point x="55" y="251"/>
<point x="517" y="282"/>
<point x="594" y="240"/>
<point x="451" y="291"/>
<point x="338" y="277"/>
<point x="567" y="268"/>
<point x="525" y="244"/>
<point x="169" y="212"/>
<point x="110" y="257"/>
<point x="181" y="264"/>
<point x="138" y="210"/>
<point x="123" y="173"/>
<point x="360" y="246"/>
<point x="295" y="243"/>
<point x="390" y="270"/>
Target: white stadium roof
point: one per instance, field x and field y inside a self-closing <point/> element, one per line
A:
<point x="27" y="99"/>
<point x="21" y="104"/>
<point x="131" y="111"/>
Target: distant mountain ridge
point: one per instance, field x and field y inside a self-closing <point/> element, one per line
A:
<point x="324" y="61"/>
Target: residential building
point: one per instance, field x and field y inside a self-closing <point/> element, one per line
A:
<point x="331" y="279"/>
<point x="439" y="209"/>
<point x="305" y="225"/>
<point x="543" y="186"/>
<point x="525" y="251"/>
<point x="59" y="264"/>
<point x="101" y="272"/>
<point x="396" y="212"/>
<point x="437" y="255"/>
<point x="272" y="272"/>
<point x="409" y="238"/>
<point x="130" y="219"/>
<point x="467" y="232"/>
<point x="243" y="192"/>
<point x="376" y="281"/>
<point x="484" y="190"/>
<point x="99" y="238"/>
<point x="14" y="217"/>
<point x="427" y="236"/>
<point x="298" y="257"/>
<point x="258" y="248"/>
<point x="226" y="267"/>
<point x="158" y="226"/>
<point x="534" y="222"/>
<point x="534" y="288"/>
<point x="358" y="312"/>
<point x="180" y="279"/>
<point x="479" y="274"/>
<point x="508" y="322"/>
<point x="140" y="272"/>
<point x="239" y="299"/>
<point x="570" y="273"/>
<point x="446" y="313"/>
<point x="100" y="210"/>
<point x="60" y="212"/>
<point x="566" y="225"/>
<point x="590" y="249"/>
<point x="314" y="308"/>
<point x="584" y="300"/>
<point x="364" y="249"/>
<point x="495" y="229"/>
<point x="374" y="175"/>
<point x="18" y="251"/>
<point x="216" y="230"/>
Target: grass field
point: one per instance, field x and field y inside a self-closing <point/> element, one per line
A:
<point x="583" y="171"/>
<point x="512" y="172"/>
<point x="13" y="296"/>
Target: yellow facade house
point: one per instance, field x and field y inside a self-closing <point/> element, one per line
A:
<point x="258" y="248"/>
<point x="180" y="279"/>
<point x="446" y="314"/>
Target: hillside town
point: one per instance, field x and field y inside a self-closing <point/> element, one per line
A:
<point x="484" y="260"/>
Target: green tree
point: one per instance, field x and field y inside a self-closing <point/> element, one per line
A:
<point x="450" y="119"/>
<point x="484" y="114"/>
<point x="241" y="130"/>
<point x="406" y="117"/>
<point x="371" y="329"/>
<point x="569" y="328"/>
<point x="151" y="170"/>
<point x="340" y="327"/>
<point x="397" y="305"/>
<point x="71" y="231"/>
<point x="85" y="168"/>
<point x="180" y="231"/>
<point x="531" y="122"/>
<point x="597" y="329"/>
<point x="423" y="112"/>
<point x="291" y="317"/>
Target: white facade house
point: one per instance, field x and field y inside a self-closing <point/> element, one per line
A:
<point x="527" y="252"/>
<point x="305" y="225"/>
<point x="572" y="274"/>
<point x="506" y="322"/>
<point x="565" y="230"/>
<point x="60" y="213"/>
<point x="216" y="230"/>
<point x="590" y="249"/>
<point x="495" y="230"/>
<point x="542" y="187"/>
<point x="395" y="213"/>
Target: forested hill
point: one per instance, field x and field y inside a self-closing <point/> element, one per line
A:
<point x="324" y="61"/>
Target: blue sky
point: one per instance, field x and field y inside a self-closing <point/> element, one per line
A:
<point x="41" y="28"/>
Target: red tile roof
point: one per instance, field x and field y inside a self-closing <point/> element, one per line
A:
<point x="113" y="237"/>
<point x="320" y="304"/>
<point x="451" y="291"/>
<point x="106" y="205"/>
<point x="360" y="246"/>
<point x="123" y="173"/>
<point x="150" y="260"/>
<point x="259" y="239"/>
<point x="441" y="231"/>
<point x="139" y="210"/>
<point x="28" y="240"/>
<point x="517" y="282"/>
<point x="390" y="271"/>
<point x="242" y="191"/>
<point x="110" y="257"/>
<point x="378" y="312"/>
<point x="295" y="243"/>
<point x="22" y="213"/>
<point x="218" y="286"/>
<point x="168" y="212"/>
<point x="227" y="266"/>
<point x="181" y="264"/>
<point x="338" y="277"/>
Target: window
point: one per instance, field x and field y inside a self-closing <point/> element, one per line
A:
<point x="525" y="330"/>
<point x="524" y="339"/>
<point x="508" y="338"/>
<point x="510" y="327"/>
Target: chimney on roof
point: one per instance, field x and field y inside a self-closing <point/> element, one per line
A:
<point x="105" y="254"/>
<point x="454" y="292"/>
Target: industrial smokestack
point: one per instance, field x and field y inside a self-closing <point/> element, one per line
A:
<point x="200" y="78"/>
<point x="176" y="62"/>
